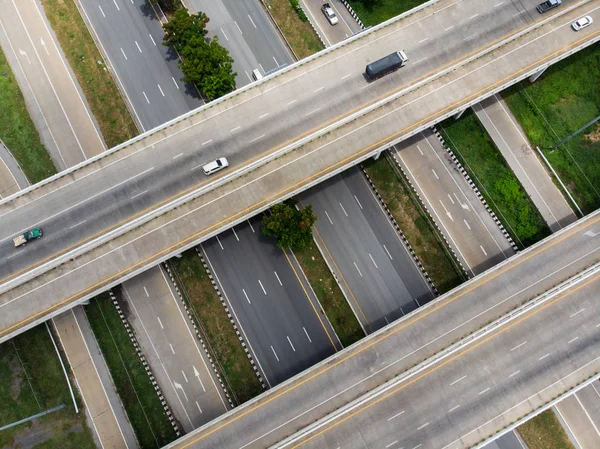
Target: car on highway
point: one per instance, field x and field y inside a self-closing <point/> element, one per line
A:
<point x="548" y="5"/>
<point x="27" y="236"/>
<point x="329" y="13"/>
<point x="215" y="166"/>
<point x="582" y="23"/>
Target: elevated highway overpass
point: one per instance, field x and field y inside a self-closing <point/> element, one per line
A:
<point x="120" y="213"/>
<point x="347" y="381"/>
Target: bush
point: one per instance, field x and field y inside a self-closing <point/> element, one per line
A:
<point x="299" y="10"/>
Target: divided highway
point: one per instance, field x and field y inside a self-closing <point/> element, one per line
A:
<point x="385" y="354"/>
<point x="162" y="165"/>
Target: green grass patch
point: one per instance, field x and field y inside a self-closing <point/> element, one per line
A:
<point x="544" y="432"/>
<point x="415" y="224"/>
<point x="145" y="412"/>
<point x="31" y="381"/>
<point x="566" y="97"/>
<point x="300" y="35"/>
<point x="17" y="130"/>
<point x="95" y="80"/>
<point x="333" y="301"/>
<point x="383" y="10"/>
<point x="496" y="181"/>
<point x="209" y="312"/>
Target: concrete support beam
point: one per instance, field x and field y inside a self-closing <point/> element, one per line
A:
<point x="533" y="78"/>
<point x="377" y="156"/>
<point x="459" y="114"/>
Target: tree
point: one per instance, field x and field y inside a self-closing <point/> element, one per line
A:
<point x="204" y="63"/>
<point x="291" y="227"/>
<point x="183" y="27"/>
<point x="208" y="66"/>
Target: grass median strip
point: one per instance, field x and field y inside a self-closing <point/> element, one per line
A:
<point x="300" y="35"/>
<point x="544" y="432"/>
<point x="225" y="344"/>
<point x="103" y="97"/>
<point x="382" y="10"/>
<point x="142" y="405"/>
<point x="32" y="381"/>
<point x="330" y="296"/>
<point x="562" y="100"/>
<point x="17" y="130"/>
<point x="496" y="181"/>
<point x="415" y="224"/>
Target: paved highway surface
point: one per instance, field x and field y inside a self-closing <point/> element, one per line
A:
<point x="457" y="403"/>
<point x="507" y="441"/>
<point x="171" y="347"/>
<point x="394" y="349"/>
<point x="163" y="168"/>
<point x="243" y="27"/>
<point x="468" y="227"/>
<point x="378" y="275"/>
<point x="53" y="98"/>
<point x="523" y="160"/>
<point x="93" y="380"/>
<point x="129" y="33"/>
<point x="126" y="26"/>
<point x="272" y="301"/>
<point x="580" y="416"/>
<point x="330" y="34"/>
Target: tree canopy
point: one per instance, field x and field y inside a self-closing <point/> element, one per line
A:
<point x="291" y="227"/>
<point x="204" y="62"/>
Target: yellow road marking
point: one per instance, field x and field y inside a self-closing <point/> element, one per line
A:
<point x="310" y="301"/>
<point x="450" y="360"/>
<point x="443" y="303"/>
<point x="253" y="159"/>
<point x="280" y="194"/>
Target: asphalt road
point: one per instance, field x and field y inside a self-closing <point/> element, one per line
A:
<point x="164" y="167"/>
<point x="580" y="416"/>
<point x="94" y="383"/>
<point x="510" y="139"/>
<point x="172" y="349"/>
<point x="163" y="170"/>
<point x="243" y="27"/>
<point x="281" y="318"/>
<point x="330" y="34"/>
<point x="379" y="277"/>
<point x="52" y="95"/>
<point x="130" y="33"/>
<point x="482" y="388"/>
<point x="387" y="354"/>
<point x="506" y="441"/>
<point x="468" y="227"/>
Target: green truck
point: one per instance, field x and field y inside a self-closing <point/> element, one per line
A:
<point x="32" y="234"/>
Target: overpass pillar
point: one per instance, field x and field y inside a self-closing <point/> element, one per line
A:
<point x="533" y="78"/>
<point x="84" y="303"/>
<point x="459" y="114"/>
<point x="377" y="156"/>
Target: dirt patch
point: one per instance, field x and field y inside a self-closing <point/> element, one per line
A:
<point x="16" y="378"/>
<point x="594" y="136"/>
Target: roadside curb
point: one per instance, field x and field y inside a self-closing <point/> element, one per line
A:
<point x="313" y="26"/>
<point x="399" y="231"/>
<point x="198" y="335"/>
<point x="397" y="162"/>
<point x="475" y="190"/>
<point x="142" y="357"/>
<point x="352" y="13"/>
<point x="230" y="316"/>
<point x="279" y="29"/>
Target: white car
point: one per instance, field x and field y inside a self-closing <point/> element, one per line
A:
<point x="582" y="23"/>
<point x="329" y="13"/>
<point x="215" y="166"/>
